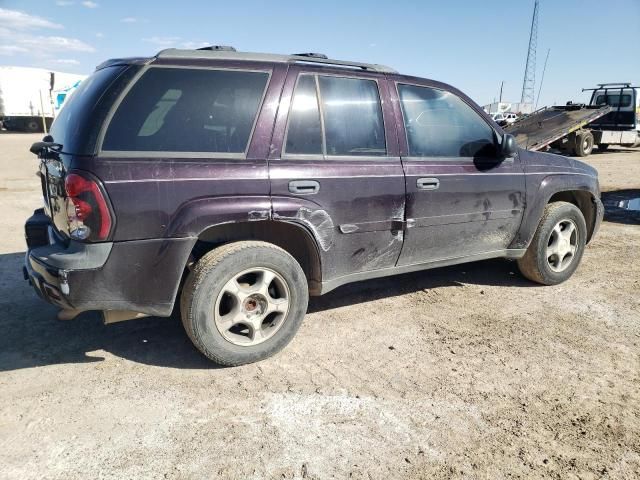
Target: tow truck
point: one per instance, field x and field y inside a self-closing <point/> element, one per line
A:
<point x="609" y="119"/>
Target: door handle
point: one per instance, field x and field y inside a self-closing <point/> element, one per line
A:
<point x="304" y="187"/>
<point x="428" y="183"/>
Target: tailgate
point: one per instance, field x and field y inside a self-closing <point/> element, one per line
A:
<point x="545" y="126"/>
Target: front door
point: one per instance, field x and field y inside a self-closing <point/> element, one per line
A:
<point x="335" y="168"/>
<point x="463" y="199"/>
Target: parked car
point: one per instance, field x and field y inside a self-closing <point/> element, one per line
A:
<point x="504" y="118"/>
<point x="499" y="118"/>
<point x="510" y="118"/>
<point x="238" y="184"/>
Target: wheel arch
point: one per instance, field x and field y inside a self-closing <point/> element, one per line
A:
<point x="585" y="201"/>
<point x="579" y="190"/>
<point x="294" y="238"/>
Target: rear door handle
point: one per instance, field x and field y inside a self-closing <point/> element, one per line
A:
<point x="428" y="183"/>
<point x="304" y="187"/>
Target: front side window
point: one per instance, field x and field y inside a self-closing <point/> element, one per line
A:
<point x="440" y="124"/>
<point x="614" y="100"/>
<point x="187" y="110"/>
<point x="349" y="115"/>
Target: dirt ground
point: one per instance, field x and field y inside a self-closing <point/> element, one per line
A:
<point x="462" y="372"/>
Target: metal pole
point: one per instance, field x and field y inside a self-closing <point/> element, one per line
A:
<point x="44" y="121"/>
<point x="544" y="69"/>
<point x="501" y="85"/>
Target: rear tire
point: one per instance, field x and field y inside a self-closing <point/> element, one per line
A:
<point x="557" y="246"/>
<point x="584" y="144"/>
<point x="32" y="126"/>
<point x="244" y="302"/>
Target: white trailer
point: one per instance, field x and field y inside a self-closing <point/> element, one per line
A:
<point x="30" y="97"/>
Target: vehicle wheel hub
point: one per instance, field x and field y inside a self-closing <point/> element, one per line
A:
<point x="255" y="304"/>
<point x="252" y="306"/>
<point x="562" y="245"/>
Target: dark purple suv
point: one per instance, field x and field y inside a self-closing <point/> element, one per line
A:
<point x="233" y="185"/>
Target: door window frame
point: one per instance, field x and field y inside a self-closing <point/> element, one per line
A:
<point x="388" y="116"/>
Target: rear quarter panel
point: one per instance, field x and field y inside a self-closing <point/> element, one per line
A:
<point x="180" y="195"/>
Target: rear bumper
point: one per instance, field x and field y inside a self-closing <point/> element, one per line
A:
<point x="141" y="275"/>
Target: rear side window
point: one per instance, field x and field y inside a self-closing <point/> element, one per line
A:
<point x="352" y="116"/>
<point x="348" y="122"/>
<point x="188" y="110"/>
<point x="304" y="133"/>
<point x="440" y="124"/>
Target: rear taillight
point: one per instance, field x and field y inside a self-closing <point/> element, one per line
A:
<point x="87" y="209"/>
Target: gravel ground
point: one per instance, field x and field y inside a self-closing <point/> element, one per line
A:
<point x="462" y="372"/>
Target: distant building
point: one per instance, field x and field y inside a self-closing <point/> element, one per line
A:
<point x="502" y="107"/>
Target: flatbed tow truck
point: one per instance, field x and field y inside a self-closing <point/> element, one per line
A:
<point x="609" y="119"/>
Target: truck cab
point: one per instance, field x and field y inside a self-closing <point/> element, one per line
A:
<point x="620" y="125"/>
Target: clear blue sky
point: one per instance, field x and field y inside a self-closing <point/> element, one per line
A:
<point x="472" y="44"/>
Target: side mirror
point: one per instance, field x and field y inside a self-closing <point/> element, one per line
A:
<point x="508" y="148"/>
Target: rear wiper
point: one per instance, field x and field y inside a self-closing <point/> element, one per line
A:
<point x="39" y="147"/>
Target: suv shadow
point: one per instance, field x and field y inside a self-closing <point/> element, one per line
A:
<point x="30" y="336"/>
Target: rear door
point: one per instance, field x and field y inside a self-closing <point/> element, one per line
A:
<point x="335" y="168"/>
<point x="463" y="200"/>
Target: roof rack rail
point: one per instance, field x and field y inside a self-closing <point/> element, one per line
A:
<point x="617" y="84"/>
<point x="371" y="67"/>
<point x="218" y="48"/>
<point x="229" y="53"/>
<point x="311" y="55"/>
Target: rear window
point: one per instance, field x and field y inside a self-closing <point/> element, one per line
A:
<point x="188" y="110"/>
<point x="77" y="125"/>
<point x="614" y="100"/>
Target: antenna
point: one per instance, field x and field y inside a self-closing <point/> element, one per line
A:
<point x="529" y="83"/>
<point x="544" y="69"/>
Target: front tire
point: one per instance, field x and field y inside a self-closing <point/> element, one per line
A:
<point x="243" y="302"/>
<point x="557" y="246"/>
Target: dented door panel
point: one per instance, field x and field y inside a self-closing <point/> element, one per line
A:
<point x="357" y="214"/>
<point x="351" y="217"/>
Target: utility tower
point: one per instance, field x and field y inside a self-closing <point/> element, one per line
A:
<point x="529" y="83"/>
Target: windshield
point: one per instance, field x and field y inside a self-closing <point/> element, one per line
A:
<point x="76" y="123"/>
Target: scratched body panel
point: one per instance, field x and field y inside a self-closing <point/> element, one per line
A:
<point x="354" y="216"/>
<point x="361" y="197"/>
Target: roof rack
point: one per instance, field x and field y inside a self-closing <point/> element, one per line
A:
<point x="620" y="84"/>
<point x="600" y="86"/>
<point x="229" y="53"/>
<point x="218" y="48"/>
<point x="311" y="55"/>
<point x="371" y="67"/>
